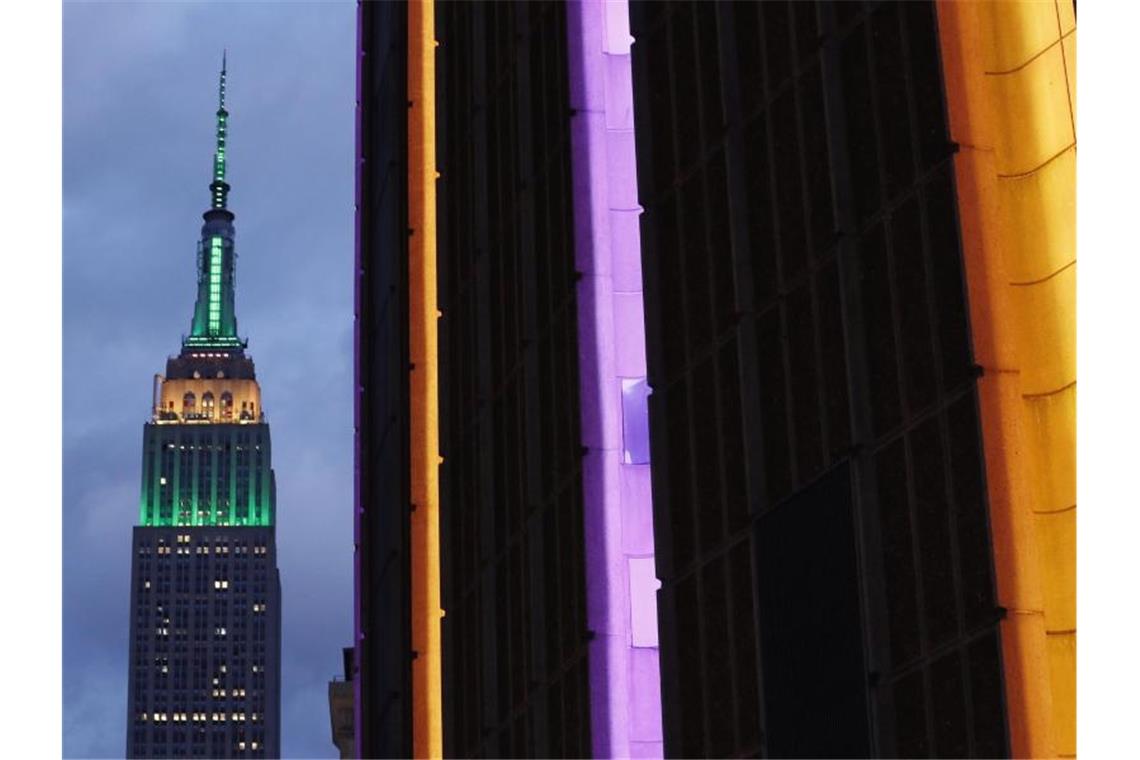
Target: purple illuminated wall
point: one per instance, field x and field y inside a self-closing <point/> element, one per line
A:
<point x="621" y="581"/>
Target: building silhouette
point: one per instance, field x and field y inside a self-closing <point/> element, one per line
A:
<point x="716" y="379"/>
<point x="342" y="711"/>
<point x="205" y="650"/>
<point x="382" y="565"/>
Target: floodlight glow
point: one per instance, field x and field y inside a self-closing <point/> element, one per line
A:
<point x="621" y="604"/>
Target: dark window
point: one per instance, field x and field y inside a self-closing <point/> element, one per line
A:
<point x="814" y="687"/>
<point x="809" y="142"/>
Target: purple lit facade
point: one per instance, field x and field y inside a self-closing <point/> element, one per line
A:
<point x="621" y="580"/>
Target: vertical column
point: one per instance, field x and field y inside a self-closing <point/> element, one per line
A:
<point x="231" y="457"/>
<point x="357" y="527"/>
<point x="621" y="582"/>
<point x="1010" y="90"/>
<point x="427" y="723"/>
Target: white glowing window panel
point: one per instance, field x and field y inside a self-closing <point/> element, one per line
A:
<point x="643" y="585"/>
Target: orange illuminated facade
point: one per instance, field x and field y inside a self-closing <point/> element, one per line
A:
<point x="423" y="315"/>
<point x="207" y="400"/>
<point x="1011" y="88"/>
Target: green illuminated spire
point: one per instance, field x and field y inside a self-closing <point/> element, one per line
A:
<point x="218" y="188"/>
<point x="215" y="324"/>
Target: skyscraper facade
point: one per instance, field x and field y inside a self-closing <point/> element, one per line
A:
<point x="516" y="650"/>
<point x="749" y="424"/>
<point x="545" y="507"/>
<point x="383" y="503"/>
<point x="205" y="646"/>
<point x="497" y="456"/>
<point x="858" y="272"/>
<point x="828" y="557"/>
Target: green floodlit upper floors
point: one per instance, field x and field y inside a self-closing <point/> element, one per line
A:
<point x="207" y="474"/>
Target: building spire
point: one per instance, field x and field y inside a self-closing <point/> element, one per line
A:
<point x="214" y="325"/>
<point x="219" y="190"/>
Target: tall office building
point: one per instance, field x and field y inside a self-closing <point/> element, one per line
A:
<point x="503" y="461"/>
<point x="748" y="429"/>
<point x="546" y="516"/>
<point x="516" y="650"/>
<point x="205" y="649"/>
<point x="858" y="272"/>
<point x="383" y="564"/>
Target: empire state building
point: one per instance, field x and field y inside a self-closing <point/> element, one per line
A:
<point x="205" y="648"/>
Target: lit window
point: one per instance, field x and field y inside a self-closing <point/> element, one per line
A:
<point x="635" y="420"/>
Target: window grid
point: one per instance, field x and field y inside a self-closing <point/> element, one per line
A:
<point x="511" y="503"/>
<point x="838" y="256"/>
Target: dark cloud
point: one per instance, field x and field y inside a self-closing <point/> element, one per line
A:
<point x="138" y="100"/>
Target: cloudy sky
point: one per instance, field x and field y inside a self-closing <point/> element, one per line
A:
<point x="139" y="94"/>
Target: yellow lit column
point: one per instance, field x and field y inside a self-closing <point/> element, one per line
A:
<point x="1010" y="83"/>
<point x="427" y="718"/>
